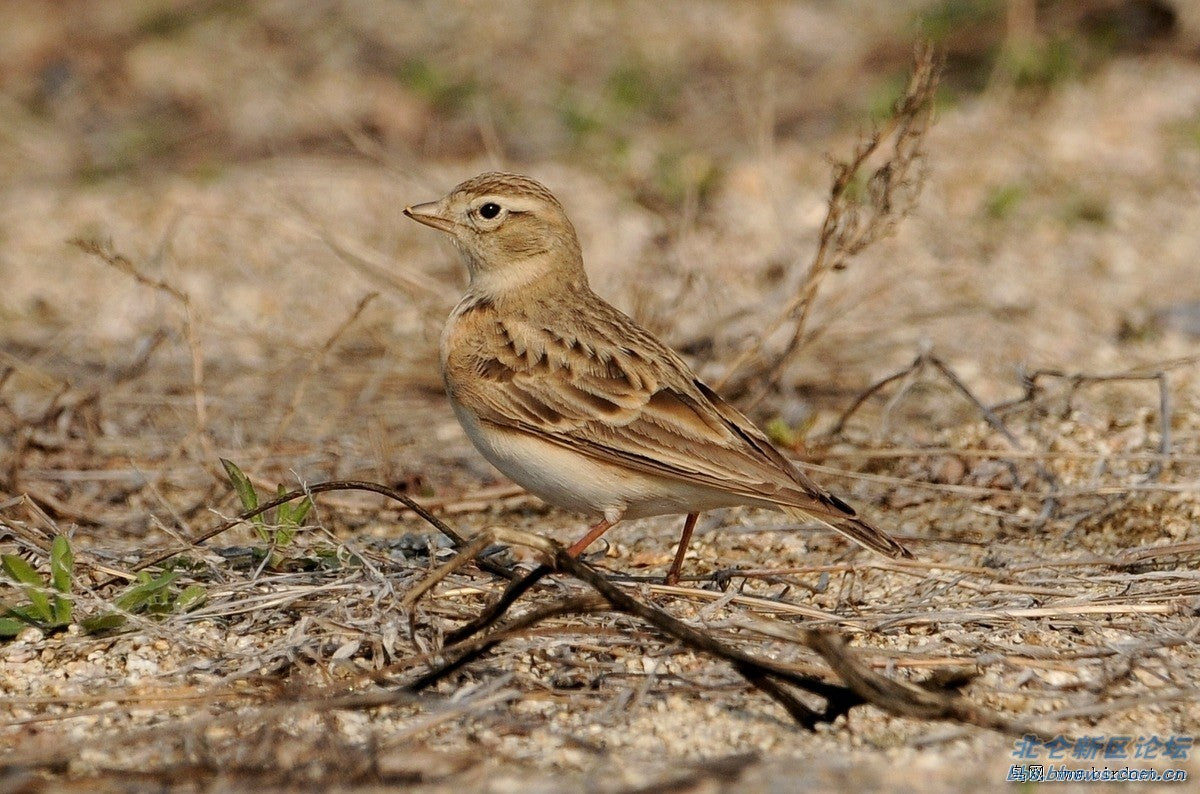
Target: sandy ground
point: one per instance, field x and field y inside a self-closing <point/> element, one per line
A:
<point x="251" y="165"/>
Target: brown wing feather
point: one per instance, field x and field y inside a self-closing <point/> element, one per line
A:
<point x="596" y="394"/>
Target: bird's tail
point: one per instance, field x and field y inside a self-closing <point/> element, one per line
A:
<point x="856" y="530"/>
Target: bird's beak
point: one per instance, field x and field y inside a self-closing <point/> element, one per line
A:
<point x="431" y="214"/>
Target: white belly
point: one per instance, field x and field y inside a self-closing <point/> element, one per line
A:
<point x="581" y="484"/>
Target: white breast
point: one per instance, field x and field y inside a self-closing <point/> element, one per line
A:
<point x="576" y="482"/>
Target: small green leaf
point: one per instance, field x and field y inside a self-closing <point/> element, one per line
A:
<point x="63" y="608"/>
<point x="243" y="487"/>
<point x="35" y="586"/>
<point x="11" y="627"/>
<point x="109" y="620"/>
<point x="164" y="579"/>
<point x="300" y="511"/>
<point x="191" y="597"/>
<point x="285" y="508"/>
<point x="23" y="613"/>
<point x="20" y="571"/>
<point x="780" y="432"/>
<point x="62" y="564"/>
<point x="141" y="595"/>
<point x="133" y="600"/>
<point x="291" y="516"/>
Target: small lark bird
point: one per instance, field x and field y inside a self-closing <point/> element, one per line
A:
<point x="580" y="405"/>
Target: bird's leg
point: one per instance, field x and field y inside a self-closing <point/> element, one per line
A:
<point x="594" y="532"/>
<point x="689" y="524"/>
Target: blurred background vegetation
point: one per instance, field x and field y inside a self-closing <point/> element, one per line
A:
<point x="255" y="157"/>
<point x="660" y="93"/>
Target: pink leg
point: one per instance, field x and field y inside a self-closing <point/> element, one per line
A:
<point x="689" y="525"/>
<point x="593" y="533"/>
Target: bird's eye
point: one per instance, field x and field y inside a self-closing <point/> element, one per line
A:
<point x="489" y="210"/>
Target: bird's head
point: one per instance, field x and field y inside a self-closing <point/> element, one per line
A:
<point x="510" y="229"/>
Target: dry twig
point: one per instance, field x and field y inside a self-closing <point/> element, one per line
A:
<point x="768" y="676"/>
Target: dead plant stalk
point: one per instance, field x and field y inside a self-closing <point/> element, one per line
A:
<point x="861" y="210"/>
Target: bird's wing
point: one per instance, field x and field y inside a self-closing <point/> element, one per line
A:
<point x="617" y="394"/>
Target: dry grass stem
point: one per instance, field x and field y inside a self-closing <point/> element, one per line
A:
<point x="103" y="251"/>
<point x="861" y="209"/>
